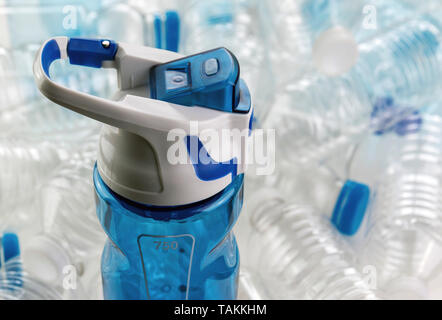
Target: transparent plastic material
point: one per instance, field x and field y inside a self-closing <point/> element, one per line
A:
<point x="300" y="255"/>
<point x="80" y="19"/>
<point x="186" y="252"/>
<point x="316" y="114"/>
<point x="297" y="25"/>
<point x="16" y="284"/>
<point x="24" y="166"/>
<point x="405" y="225"/>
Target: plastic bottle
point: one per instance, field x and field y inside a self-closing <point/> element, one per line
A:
<point x="48" y="18"/>
<point x="403" y="235"/>
<point x="300" y="255"/>
<point x="88" y="18"/>
<point x="15" y="282"/>
<point x="251" y="286"/>
<point x="142" y="22"/>
<point x="315" y="114"/>
<point x="167" y="240"/>
<point x="297" y="27"/>
<point x="25" y="165"/>
<point x="343" y="200"/>
<point x="70" y="233"/>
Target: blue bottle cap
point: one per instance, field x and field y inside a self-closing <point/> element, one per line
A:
<point x="11" y="246"/>
<point x="410" y="124"/>
<point x="172" y="29"/>
<point x="382" y="115"/>
<point x="350" y="207"/>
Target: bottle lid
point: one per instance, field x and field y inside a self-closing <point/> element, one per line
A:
<point x="335" y="51"/>
<point x="10" y="245"/>
<point x="350" y="207"/>
<point x="45" y="259"/>
<point x="165" y="143"/>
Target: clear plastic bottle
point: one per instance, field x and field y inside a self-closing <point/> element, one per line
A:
<point x="20" y="286"/>
<point x="403" y="237"/>
<point x="297" y="25"/>
<point x="250" y="286"/>
<point x="300" y="256"/>
<point x="15" y="282"/>
<point x="315" y="114"/>
<point x="71" y="237"/>
<point x="25" y="165"/>
<point x="141" y="22"/>
<point x="48" y="18"/>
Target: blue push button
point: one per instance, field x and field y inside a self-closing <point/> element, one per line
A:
<point x="211" y="66"/>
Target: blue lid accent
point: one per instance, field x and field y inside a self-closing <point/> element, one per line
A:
<point x="11" y="246"/>
<point x="205" y="167"/>
<point x="382" y="115"/>
<point x="50" y="52"/>
<point x="219" y="91"/>
<point x="387" y="116"/>
<point x="251" y="122"/>
<point x="350" y="207"/>
<point x="410" y="124"/>
<point x="90" y="52"/>
<point x="172" y="26"/>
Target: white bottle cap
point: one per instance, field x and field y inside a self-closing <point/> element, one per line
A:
<point x="335" y="51"/>
<point x="45" y="260"/>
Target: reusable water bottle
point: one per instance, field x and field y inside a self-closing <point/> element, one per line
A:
<point x="166" y="196"/>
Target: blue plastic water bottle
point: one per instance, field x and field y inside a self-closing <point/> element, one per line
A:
<point x="168" y="192"/>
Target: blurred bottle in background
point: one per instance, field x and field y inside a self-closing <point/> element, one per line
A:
<point x="300" y="256"/>
<point x="15" y="282"/>
<point x="25" y="165"/>
<point x="71" y="238"/>
<point x="405" y="224"/>
<point x="316" y="114"/>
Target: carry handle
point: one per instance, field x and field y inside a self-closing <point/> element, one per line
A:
<point x="132" y="63"/>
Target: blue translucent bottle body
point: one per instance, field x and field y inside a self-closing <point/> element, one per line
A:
<point x="185" y="252"/>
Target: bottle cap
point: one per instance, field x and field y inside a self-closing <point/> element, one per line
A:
<point x="165" y="110"/>
<point x="45" y="259"/>
<point x="335" y="51"/>
<point x="350" y="208"/>
<point x="10" y="245"/>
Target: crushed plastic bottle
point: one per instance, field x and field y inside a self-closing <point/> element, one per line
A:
<point x="71" y="236"/>
<point x="15" y="282"/>
<point x="405" y="225"/>
<point x="25" y="165"/>
<point x="300" y="256"/>
<point x="316" y="114"/>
